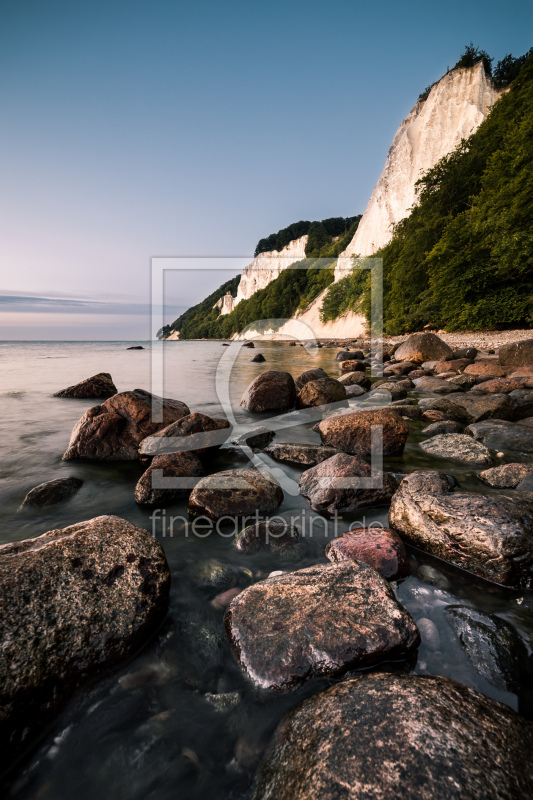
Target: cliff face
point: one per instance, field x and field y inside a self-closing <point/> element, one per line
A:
<point x="455" y="107"/>
<point x="267" y="266"/>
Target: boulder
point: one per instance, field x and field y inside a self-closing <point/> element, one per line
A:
<point x="462" y="381"/>
<point x="185" y="466"/>
<point x="389" y="391"/>
<point x="309" y="375"/>
<point x="277" y="536"/>
<point x="303" y="454"/>
<point x="317" y="622"/>
<point x="322" y="392"/>
<point x="506" y="476"/>
<point x="466" y="352"/>
<point x="403" y="368"/>
<point x="433" y="415"/>
<point x="355" y="378"/>
<point x="352" y="366"/>
<point x="411" y="412"/>
<point x="475" y="408"/>
<point x="99" y="387"/>
<point x="384" y="735"/>
<point x="435" y="385"/>
<point x="443" y="426"/>
<point x="493" y="647"/>
<point x="235" y="493"/>
<point x="73" y="603"/>
<point x="422" y="347"/>
<point x="52" y="492"/>
<point x="212" y="576"/>
<point x="485" y="369"/>
<point x="352" y="432"/>
<point x="272" y="390"/>
<point x="499" y="386"/>
<point x="455" y="365"/>
<point x="380" y="548"/>
<point x="259" y="357"/>
<point x="114" y="430"/>
<point x="349" y="355"/>
<point x="516" y="354"/>
<point x="459" y="447"/>
<point x="500" y="435"/>
<point x="196" y="433"/>
<point x="249" y="344"/>
<point x="258" y="437"/>
<point x="344" y="483"/>
<point x="491" y="537"/>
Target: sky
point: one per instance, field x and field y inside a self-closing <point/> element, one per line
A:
<point x="140" y="128"/>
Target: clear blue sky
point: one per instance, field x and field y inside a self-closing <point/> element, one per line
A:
<point x="132" y="129"/>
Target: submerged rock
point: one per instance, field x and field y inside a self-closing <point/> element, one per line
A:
<point x="384" y="736"/>
<point x="195" y="433"/>
<point x="52" y="492"/>
<point x="492" y="537"/>
<point x="277" y="536"/>
<point x="272" y="390"/>
<point x="422" y="347"/>
<point x="212" y="575"/>
<point x="506" y="476"/>
<point x="235" y="493"/>
<point x="305" y="454"/>
<point x="380" y="548"/>
<point x="320" y="393"/>
<point x="345" y="483"/>
<point x="72" y="603"/>
<point x="281" y="629"/>
<point x="352" y="432"/>
<point x="457" y="446"/>
<point x="98" y="387"/>
<point x="184" y="466"/>
<point x="114" y="430"/>
<point x="354" y="390"/>
<point x="310" y="375"/>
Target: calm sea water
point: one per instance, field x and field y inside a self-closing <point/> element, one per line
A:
<point x="153" y="730"/>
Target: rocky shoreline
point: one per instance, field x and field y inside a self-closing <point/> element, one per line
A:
<point x="79" y="601"/>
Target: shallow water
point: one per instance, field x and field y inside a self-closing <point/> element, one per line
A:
<point x="153" y="729"/>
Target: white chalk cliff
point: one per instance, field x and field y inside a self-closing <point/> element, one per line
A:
<point x="456" y="105"/>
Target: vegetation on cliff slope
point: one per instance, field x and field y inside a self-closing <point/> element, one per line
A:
<point x="464" y="257"/>
<point x="294" y="288"/>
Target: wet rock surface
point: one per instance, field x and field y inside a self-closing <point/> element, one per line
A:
<point x="309" y="375"/>
<point x="501" y="435"/>
<point x="354" y="391"/>
<point x="114" y="430"/>
<point x="281" y="631"/>
<point x="195" y="433"/>
<point x="99" y="387"/>
<point x="235" y="493"/>
<point x="493" y="646"/>
<point x="435" y="385"/>
<point x="422" y="347"/>
<point x="380" y="548"/>
<point x="506" y="476"/>
<point x="477" y="408"/>
<point x="52" y="492"/>
<point x="352" y="432"/>
<point x="345" y="483"/>
<point x="442" y="426"/>
<point x="73" y="602"/>
<point x="492" y="537"/>
<point x="398" y="736"/>
<point x="184" y="466"/>
<point x="459" y="447"/>
<point x="272" y="390"/>
<point x="276" y="536"/>
<point x="320" y="392"/>
<point x="258" y="437"/>
<point x="305" y="454"/>
<point x="355" y="378"/>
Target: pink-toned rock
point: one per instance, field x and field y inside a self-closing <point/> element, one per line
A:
<point x="352" y="366"/>
<point x="485" y="368"/>
<point x="223" y="600"/>
<point x="352" y="432"/>
<point x="455" y="365"/>
<point x="501" y="385"/>
<point x="432" y="415"/>
<point x="272" y="390"/>
<point x="420" y="373"/>
<point x="381" y="548"/>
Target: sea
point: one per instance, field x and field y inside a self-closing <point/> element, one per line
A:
<point x="180" y="720"/>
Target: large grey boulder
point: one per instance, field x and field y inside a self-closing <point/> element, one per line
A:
<point x="73" y="602"/>
<point x="317" y="622"/>
<point x="309" y="375"/>
<point x="235" y="493"/>
<point x="345" y="483"/>
<point x="516" y="354"/>
<point x="196" y="433"/>
<point x="506" y="476"/>
<point x="435" y="385"/>
<point x="114" y="430"/>
<point x="458" y="447"/>
<point x="421" y="347"/>
<point x="324" y="391"/>
<point x="467" y="407"/>
<point x="502" y="435"/>
<point x="492" y="537"/>
<point x="407" y="737"/>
